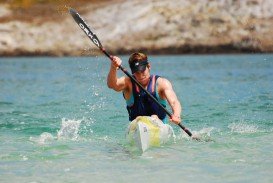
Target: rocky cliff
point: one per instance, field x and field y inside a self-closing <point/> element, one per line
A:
<point x="155" y="27"/>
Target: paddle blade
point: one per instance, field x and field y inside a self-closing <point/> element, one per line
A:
<point x="85" y="27"/>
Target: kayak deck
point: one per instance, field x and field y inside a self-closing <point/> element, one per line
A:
<point x="145" y="132"/>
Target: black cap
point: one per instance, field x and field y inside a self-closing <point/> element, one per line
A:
<point x="138" y="66"/>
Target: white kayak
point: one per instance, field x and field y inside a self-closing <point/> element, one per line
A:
<point x="145" y="132"/>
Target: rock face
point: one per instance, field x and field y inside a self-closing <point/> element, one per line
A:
<point x="155" y="27"/>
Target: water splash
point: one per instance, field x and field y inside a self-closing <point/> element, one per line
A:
<point x="69" y="129"/>
<point x="43" y="139"/>
<point x="204" y="134"/>
<point x="242" y="128"/>
<point x="86" y="126"/>
<point x="201" y="135"/>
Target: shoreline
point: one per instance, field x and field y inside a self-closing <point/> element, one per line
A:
<point x="151" y="54"/>
<point x="187" y="50"/>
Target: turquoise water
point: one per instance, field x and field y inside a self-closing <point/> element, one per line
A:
<point x="60" y="123"/>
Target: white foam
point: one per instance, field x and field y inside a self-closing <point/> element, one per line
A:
<point x="44" y="138"/>
<point x="69" y="129"/>
<point x="24" y="158"/>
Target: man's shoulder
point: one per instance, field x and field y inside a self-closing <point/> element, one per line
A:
<point x="161" y="79"/>
<point x="163" y="83"/>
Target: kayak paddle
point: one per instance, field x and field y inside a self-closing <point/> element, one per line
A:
<point x="85" y="27"/>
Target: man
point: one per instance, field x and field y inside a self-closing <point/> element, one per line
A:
<point x="138" y="103"/>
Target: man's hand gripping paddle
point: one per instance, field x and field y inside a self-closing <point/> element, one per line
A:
<point x="84" y="26"/>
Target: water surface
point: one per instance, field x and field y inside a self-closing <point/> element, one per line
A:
<point x="59" y="122"/>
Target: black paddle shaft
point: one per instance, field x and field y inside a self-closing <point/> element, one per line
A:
<point x="85" y="27"/>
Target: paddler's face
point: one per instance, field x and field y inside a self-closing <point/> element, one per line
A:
<point x="143" y="76"/>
